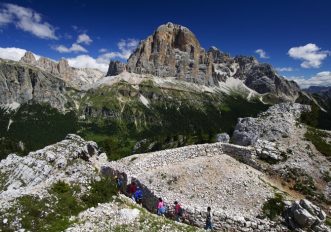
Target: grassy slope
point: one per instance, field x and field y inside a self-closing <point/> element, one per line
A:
<point x="173" y="118"/>
<point x="36" y="126"/>
<point x="118" y="120"/>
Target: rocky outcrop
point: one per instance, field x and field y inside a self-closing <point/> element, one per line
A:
<point x="56" y="68"/>
<point x="79" y="78"/>
<point x="21" y="84"/>
<point x="29" y="58"/>
<point x="174" y="51"/>
<point x="263" y="79"/>
<point x="72" y="160"/>
<point x="115" y="68"/>
<point x="305" y="215"/>
<point x="277" y="122"/>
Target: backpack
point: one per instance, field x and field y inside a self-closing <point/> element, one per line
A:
<point x="138" y="194"/>
<point x="119" y="183"/>
<point x="180" y="212"/>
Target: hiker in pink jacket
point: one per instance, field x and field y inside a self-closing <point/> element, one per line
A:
<point x="160" y="207"/>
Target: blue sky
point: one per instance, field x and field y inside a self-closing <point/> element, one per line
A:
<point x="51" y="28"/>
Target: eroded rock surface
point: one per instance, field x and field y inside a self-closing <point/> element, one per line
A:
<point x="174" y="51"/>
<point x="277" y="122"/>
<point x="69" y="160"/>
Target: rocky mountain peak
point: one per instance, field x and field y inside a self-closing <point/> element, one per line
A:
<point x="63" y="65"/>
<point x="174" y="51"/>
<point x="28" y="58"/>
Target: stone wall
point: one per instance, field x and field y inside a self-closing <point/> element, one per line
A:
<point x="130" y="167"/>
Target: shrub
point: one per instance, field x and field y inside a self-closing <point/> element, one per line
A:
<point x="100" y="192"/>
<point x="316" y="137"/>
<point x="274" y="206"/>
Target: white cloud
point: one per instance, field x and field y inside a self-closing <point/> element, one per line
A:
<point x="86" y="61"/>
<point x="103" y="50"/>
<point x="27" y="20"/>
<point x="74" y="48"/>
<point x="311" y="55"/>
<point x="126" y="47"/>
<point x="262" y="53"/>
<point x="84" y="38"/>
<point x="5" y="17"/>
<point x="284" y="69"/>
<point x="320" y="79"/>
<point x="13" y="53"/>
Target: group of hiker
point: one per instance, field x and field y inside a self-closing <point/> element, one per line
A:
<point x="136" y="194"/>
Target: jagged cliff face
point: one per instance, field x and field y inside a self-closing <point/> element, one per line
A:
<point x="174" y="51"/>
<point x="74" y="77"/>
<point x="21" y="84"/>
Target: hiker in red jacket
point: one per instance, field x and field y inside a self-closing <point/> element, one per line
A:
<point x="132" y="188"/>
<point x="178" y="211"/>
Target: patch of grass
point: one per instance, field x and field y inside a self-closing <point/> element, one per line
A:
<point x="100" y="192"/>
<point x="53" y="213"/>
<point x="328" y="221"/>
<point x="274" y="207"/>
<point x="316" y="137"/>
<point x="327" y="176"/>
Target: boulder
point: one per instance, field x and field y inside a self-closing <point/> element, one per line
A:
<point x="305" y="215"/>
<point x="223" y="138"/>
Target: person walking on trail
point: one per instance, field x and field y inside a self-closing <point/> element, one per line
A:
<point x="132" y="188"/>
<point x="138" y="195"/>
<point x="160" y="207"/>
<point x="119" y="183"/>
<point x="209" y="219"/>
<point x="178" y="211"/>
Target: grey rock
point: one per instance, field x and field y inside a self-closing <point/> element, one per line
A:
<point x="305" y="215"/>
<point x="29" y="58"/>
<point x="277" y="122"/>
<point x="174" y="51"/>
<point x="115" y="68"/>
<point x="223" y="138"/>
<point x="22" y="84"/>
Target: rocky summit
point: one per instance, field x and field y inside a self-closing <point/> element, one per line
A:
<point x="174" y="51"/>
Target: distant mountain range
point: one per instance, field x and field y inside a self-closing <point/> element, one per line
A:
<point x="171" y="92"/>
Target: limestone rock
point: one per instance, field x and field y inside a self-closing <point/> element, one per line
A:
<point x="29" y="58"/>
<point x="305" y="215"/>
<point x="277" y="122"/>
<point x="76" y="77"/>
<point x="72" y="160"/>
<point x="115" y="68"/>
<point x="223" y="138"/>
<point x="21" y="84"/>
<point x="174" y="51"/>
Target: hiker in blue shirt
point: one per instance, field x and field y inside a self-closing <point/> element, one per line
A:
<point x="119" y="183"/>
<point x="138" y="195"/>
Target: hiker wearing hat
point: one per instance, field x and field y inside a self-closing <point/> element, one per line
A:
<point x="178" y="211"/>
